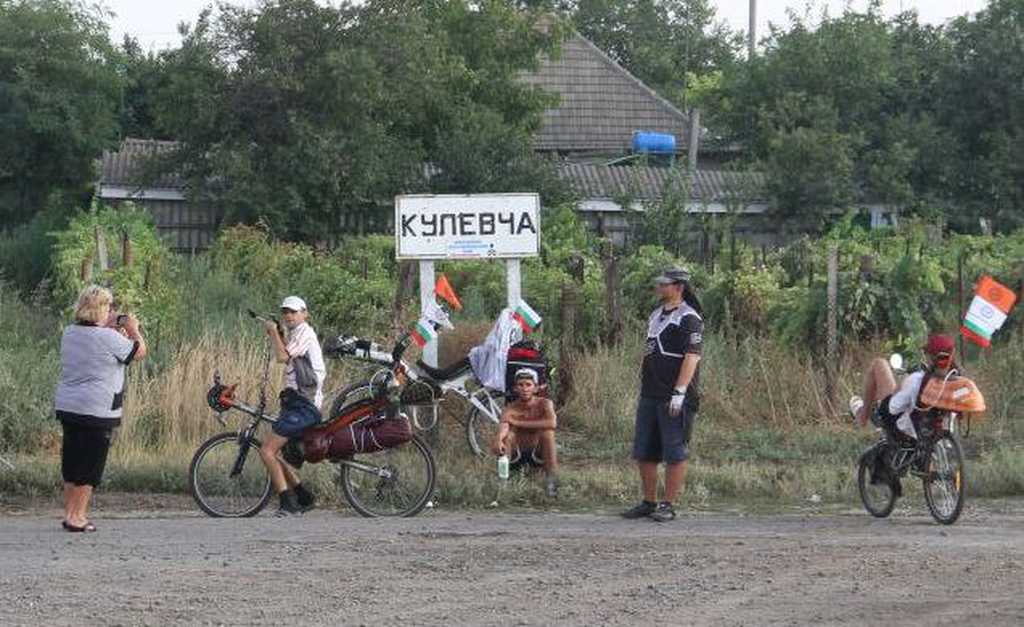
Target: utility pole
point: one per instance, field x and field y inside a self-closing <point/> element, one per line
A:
<point x="752" y="33"/>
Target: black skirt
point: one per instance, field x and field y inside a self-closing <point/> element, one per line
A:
<point x="83" y="455"/>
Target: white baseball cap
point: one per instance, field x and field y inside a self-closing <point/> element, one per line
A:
<point x="294" y="303"/>
<point x="527" y="373"/>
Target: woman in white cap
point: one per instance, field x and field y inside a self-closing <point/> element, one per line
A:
<point x="301" y="397"/>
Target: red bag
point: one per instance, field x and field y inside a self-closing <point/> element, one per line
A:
<point x="370" y="436"/>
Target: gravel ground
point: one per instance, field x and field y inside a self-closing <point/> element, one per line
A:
<point x="167" y="566"/>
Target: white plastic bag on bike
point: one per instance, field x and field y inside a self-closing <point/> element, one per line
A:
<point x="490" y="358"/>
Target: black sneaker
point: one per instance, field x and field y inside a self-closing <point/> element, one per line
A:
<point x="289" y="505"/>
<point x="664" y="512"/>
<point x="305" y="498"/>
<point x="643" y="510"/>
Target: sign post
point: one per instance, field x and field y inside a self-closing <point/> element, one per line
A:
<point x="477" y="226"/>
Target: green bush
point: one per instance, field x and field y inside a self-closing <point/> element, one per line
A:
<point x="29" y="341"/>
<point x="350" y="289"/>
<point x="26" y="251"/>
<point x="140" y="274"/>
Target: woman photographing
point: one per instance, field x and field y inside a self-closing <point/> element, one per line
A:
<point x="94" y="352"/>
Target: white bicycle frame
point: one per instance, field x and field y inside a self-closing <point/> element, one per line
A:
<point x="481" y="398"/>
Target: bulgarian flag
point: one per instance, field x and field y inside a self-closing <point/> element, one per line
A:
<point x="423" y="333"/>
<point x="526" y="317"/>
<point x="987" y="313"/>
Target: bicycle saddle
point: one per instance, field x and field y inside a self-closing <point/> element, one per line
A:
<point x="443" y="374"/>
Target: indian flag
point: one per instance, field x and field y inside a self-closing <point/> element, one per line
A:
<point x="988" y="311"/>
<point x="526" y="317"/>
<point x="423" y="333"/>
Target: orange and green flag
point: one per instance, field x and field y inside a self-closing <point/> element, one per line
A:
<point x="988" y="311"/>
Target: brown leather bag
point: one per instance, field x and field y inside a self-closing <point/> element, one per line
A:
<point x="316" y="441"/>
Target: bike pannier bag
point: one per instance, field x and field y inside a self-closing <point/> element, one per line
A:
<point x="370" y="436"/>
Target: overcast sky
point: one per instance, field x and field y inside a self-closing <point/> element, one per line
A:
<point x="155" y="23"/>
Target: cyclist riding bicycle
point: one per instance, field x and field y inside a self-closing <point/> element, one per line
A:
<point x="897" y="406"/>
<point x="301" y="397"/>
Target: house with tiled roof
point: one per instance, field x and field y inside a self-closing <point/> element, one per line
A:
<point x="590" y="134"/>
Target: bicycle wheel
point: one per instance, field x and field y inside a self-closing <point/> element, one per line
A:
<point x="353" y="393"/>
<point x="395" y="482"/>
<point x="481" y="430"/>
<point x="944" y="485"/>
<point x="879" y="498"/>
<point x="218" y="489"/>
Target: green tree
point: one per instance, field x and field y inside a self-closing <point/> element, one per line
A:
<point x="984" y="109"/>
<point x="848" y="110"/>
<point x="144" y="75"/>
<point x="299" y="113"/>
<point x="662" y="42"/>
<point x="59" y="96"/>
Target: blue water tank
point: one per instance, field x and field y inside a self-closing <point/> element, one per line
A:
<point x="645" y="142"/>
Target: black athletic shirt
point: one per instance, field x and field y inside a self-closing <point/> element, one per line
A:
<point x="671" y="335"/>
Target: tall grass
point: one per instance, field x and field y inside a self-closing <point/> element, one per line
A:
<point x="765" y="430"/>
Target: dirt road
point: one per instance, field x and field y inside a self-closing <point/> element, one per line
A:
<point x="160" y="568"/>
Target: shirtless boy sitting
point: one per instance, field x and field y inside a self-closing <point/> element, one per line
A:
<point x="528" y="424"/>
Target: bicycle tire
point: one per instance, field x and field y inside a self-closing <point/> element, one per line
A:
<point x="349" y="476"/>
<point x="348" y="395"/>
<point x="864" y="486"/>
<point x="948" y="444"/>
<point x="480" y="430"/>
<point x="261" y="493"/>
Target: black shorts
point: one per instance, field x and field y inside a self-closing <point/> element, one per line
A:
<point x="659" y="437"/>
<point x="83" y="455"/>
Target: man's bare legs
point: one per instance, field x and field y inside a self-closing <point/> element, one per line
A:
<point x="548" y="452"/>
<point x="879" y="383"/>
<point x="675" y="479"/>
<point x="649" y="480"/>
<point x="272" y="445"/>
<point x="543" y="441"/>
<point x="291" y="476"/>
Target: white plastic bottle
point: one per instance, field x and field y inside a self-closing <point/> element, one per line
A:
<point x="503" y="467"/>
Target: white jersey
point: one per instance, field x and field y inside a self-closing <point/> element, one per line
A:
<point x="302" y="340"/>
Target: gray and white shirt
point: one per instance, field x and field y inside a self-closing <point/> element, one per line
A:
<point x="92" y="365"/>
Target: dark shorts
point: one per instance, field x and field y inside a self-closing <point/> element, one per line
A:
<point x="83" y="454"/>
<point x="297" y="415"/>
<point x="659" y="437"/>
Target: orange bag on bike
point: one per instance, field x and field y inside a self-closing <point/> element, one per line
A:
<point x="958" y="394"/>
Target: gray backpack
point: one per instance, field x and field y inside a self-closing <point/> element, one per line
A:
<point x="305" y="376"/>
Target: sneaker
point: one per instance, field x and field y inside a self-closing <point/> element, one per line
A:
<point x="552" y="488"/>
<point x="643" y="510"/>
<point x="305" y="498"/>
<point x="664" y="512"/>
<point x="289" y="505"/>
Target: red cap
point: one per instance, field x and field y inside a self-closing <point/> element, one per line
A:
<point x="939" y="344"/>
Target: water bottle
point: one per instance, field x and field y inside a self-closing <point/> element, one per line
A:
<point x="503" y="467"/>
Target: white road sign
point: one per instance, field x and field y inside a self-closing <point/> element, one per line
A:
<point x="478" y="226"/>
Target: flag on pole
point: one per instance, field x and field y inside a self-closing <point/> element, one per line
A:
<point x="988" y="311"/>
<point x="444" y="289"/>
<point x="526" y="317"/>
<point x="423" y="333"/>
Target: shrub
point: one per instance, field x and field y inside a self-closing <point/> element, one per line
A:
<point x="140" y="274"/>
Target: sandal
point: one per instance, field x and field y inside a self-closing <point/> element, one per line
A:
<point x="86" y="528"/>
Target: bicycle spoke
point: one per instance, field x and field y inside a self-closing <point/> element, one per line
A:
<point x="403" y="489"/>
